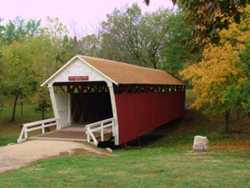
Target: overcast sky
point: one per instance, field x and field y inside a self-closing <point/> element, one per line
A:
<point x="78" y="15"/>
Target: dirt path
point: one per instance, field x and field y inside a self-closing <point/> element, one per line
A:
<point x="18" y="155"/>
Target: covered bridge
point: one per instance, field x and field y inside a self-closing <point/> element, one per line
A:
<point x="100" y="95"/>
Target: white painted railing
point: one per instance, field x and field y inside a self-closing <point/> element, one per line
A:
<point x="99" y="127"/>
<point x="33" y="126"/>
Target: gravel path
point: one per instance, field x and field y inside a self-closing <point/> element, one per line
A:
<point x="18" y="155"/>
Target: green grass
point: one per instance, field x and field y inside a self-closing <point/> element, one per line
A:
<point x="150" y="166"/>
<point x="9" y="131"/>
<point x="167" y="162"/>
<point x="164" y="162"/>
<point x="29" y="113"/>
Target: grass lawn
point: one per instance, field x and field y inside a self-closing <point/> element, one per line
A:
<point x="169" y="165"/>
<point x="9" y="131"/>
<point x="164" y="162"/>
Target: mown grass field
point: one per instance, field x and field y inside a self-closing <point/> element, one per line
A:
<point x="163" y="160"/>
<point x="161" y="164"/>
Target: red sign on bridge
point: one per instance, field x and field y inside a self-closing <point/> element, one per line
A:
<point x="78" y="78"/>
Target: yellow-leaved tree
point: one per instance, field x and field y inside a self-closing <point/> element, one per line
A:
<point x="217" y="80"/>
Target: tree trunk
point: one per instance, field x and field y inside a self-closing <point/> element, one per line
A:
<point x="227" y="119"/>
<point x="21" y="108"/>
<point x="155" y="65"/>
<point x="43" y="114"/>
<point x="238" y="115"/>
<point x="13" y="118"/>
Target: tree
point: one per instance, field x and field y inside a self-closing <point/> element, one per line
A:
<point x="55" y="29"/>
<point x="64" y="46"/>
<point x="221" y="79"/>
<point x="214" y="78"/>
<point x="12" y="34"/>
<point x="19" y="29"/>
<point x="130" y="36"/>
<point x="154" y="36"/>
<point x="160" y="39"/>
<point x="1" y="88"/>
<point x="26" y="64"/>
<point x="179" y="48"/>
<point x="119" y="35"/>
<point x="238" y="35"/>
<point x="89" y="45"/>
<point x="1" y="64"/>
<point x="245" y="89"/>
<point x="44" y="63"/>
<point x="209" y="17"/>
<point x="29" y="54"/>
<point x="43" y="103"/>
<point x="18" y="79"/>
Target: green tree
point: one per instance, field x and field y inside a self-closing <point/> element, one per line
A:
<point x="154" y="35"/>
<point x="26" y="64"/>
<point x="245" y="89"/>
<point x="130" y="36"/>
<point x="208" y="17"/>
<point x="89" y="45"/>
<point x="19" y="29"/>
<point x="18" y="79"/>
<point x="44" y="63"/>
<point x="41" y="98"/>
<point x="64" y="46"/>
<point x="179" y="49"/>
<point x="161" y="39"/>
<point x="119" y="35"/>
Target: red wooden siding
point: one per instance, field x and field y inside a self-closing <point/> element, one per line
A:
<point x="139" y="113"/>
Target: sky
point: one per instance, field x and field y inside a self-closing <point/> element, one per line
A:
<point x="80" y="16"/>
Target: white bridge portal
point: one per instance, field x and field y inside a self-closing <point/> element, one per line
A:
<point x="81" y="96"/>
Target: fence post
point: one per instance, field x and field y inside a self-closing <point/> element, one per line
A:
<point x="113" y="128"/>
<point x="102" y="132"/>
<point x="25" y="133"/>
<point x="88" y="137"/>
<point x="43" y="129"/>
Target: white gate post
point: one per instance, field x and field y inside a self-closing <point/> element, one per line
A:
<point x="43" y="128"/>
<point x="69" y="108"/>
<point x="102" y="132"/>
<point x="113" y="104"/>
<point x="54" y="105"/>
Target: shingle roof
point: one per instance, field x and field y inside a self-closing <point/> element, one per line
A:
<point x="124" y="73"/>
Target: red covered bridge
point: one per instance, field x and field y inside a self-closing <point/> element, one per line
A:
<point x="106" y="97"/>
